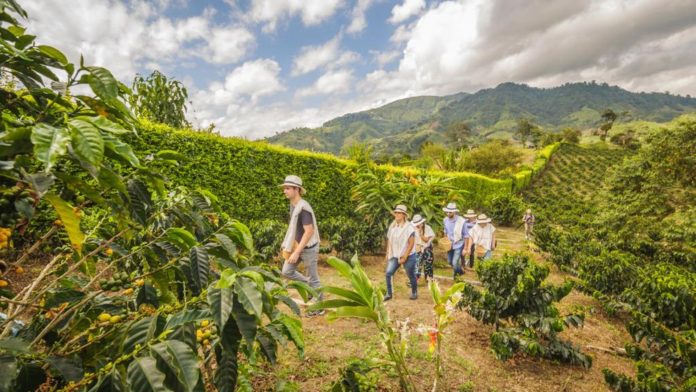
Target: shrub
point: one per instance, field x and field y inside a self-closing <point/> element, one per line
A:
<point x="505" y="209"/>
<point x="268" y="237"/>
<point x="348" y="236"/>
<point x="611" y="272"/>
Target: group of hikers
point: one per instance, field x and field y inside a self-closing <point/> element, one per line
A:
<point x="409" y="242"/>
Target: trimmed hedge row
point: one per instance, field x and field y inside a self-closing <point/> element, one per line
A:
<point x="245" y="174"/>
<point x="524" y="177"/>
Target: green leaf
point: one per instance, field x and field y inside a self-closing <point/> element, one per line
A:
<point x="226" y="372"/>
<point x="249" y="296"/>
<point x="187" y="316"/>
<point x="8" y="372"/>
<point x="140" y="332"/>
<point x="348" y="294"/>
<point x="143" y="376"/>
<point x="200" y="268"/>
<point x="147" y="295"/>
<point x="106" y="125"/>
<point x="182" y="238"/>
<point x="103" y="83"/>
<point x="293" y="328"/>
<point x="220" y="301"/>
<point x="140" y="199"/>
<point x="268" y="345"/>
<point x="240" y="233"/>
<point x="343" y="268"/>
<point x="171" y="155"/>
<point x="227" y="244"/>
<point x="353" y="311"/>
<point x="50" y="143"/>
<point x="69" y="369"/>
<point x="118" y="149"/>
<point x="246" y="323"/>
<point x="53" y="53"/>
<point x="182" y="361"/>
<point x="87" y="141"/>
<point x="332" y="303"/>
<point x="71" y="221"/>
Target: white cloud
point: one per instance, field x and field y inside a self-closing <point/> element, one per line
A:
<point x="332" y="82"/>
<point x="229" y="45"/>
<point x="271" y="12"/>
<point x="359" y="22"/>
<point x="327" y="55"/>
<point x="384" y="58"/>
<point x="254" y="79"/>
<point x="406" y="10"/>
<point x="401" y="34"/>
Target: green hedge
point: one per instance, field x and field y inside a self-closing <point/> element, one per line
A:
<point x="524" y="177"/>
<point x="245" y="174"/>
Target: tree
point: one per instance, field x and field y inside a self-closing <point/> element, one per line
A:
<point x="493" y="158"/>
<point x="608" y="116"/>
<point x="457" y="133"/>
<point x="524" y="130"/>
<point x="160" y="99"/>
<point x="571" y="135"/>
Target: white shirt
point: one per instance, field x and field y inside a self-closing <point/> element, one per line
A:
<point x="427" y="232"/>
<point x="398" y="239"/>
<point x="482" y="236"/>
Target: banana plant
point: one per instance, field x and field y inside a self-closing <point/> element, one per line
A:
<point x="362" y="300"/>
<point x="444" y="306"/>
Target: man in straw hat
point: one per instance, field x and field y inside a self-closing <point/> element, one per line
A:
<point x="456" y="231"/>
<point x="401" y="250"/>
<point x="470" y="223"/>
<point x="482" y="237"/>
<point x="301" y="241"/>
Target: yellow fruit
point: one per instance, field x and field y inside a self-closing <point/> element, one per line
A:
<point x="19" y="270"/>
<point x="199" y="333"/>
<point x="58" y="222"/>
<point x="104" y="317"/>
<point x="139" y="282"/>
<point x="206" y="335"/>
<point x="206" y="342"/>
<point x="114" y="319"/>
<point x="3" y="283"/>
<point x="109" y="251"/>
<point x="205" y="323"/>
<point x="128" y="291"/>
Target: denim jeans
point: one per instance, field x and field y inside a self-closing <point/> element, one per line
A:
<point x="486" y="255"/>
<point x="454" y="258"/>
<point x="309" y="257"/>
<point x="410" y="265"/>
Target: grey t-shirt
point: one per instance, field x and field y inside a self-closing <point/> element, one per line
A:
<point x="305" y="218"/>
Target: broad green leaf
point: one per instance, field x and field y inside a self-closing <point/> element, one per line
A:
<point x="290" y="303"/>
<point x="353" y="311"/>
<point x="268" y="345"/>
<point x="240" y="233"/>
<point x="109" y="179"/>
<point x="103" y="83"/>
<point x="182" y="361"/>
<point x="343" y="268"/>
<point x="227" y="245"/>
<point x="50" y="143"/>
<point x="246" y="323"/>
<point x="53" y="53"/>
<point x="143" y="376"/>
<point x="182" y="238"/>
<point x="332" y="303"/>
<point x="226" y="372"/>
<point x="345" y="293"/>
<point x="200" y="268"/>
<point x="87" y="141"/>
<point x="70" y="220"/>
<point x="106" y="125"/>
<point x="187" y="316"/>
<point x="120" y="150"/>
<point x="140" y="332"/>
<point x="140" y="200"/>
<point x="249" y="296"/>
<point x="220" y="301"/>
<point x="171" y="155"/>
<point x="147" y="295"/>
<point x="293" y="328"/>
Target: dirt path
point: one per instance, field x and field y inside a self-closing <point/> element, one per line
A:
<point x="469" y="362"/>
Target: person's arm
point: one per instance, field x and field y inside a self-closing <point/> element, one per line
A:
<point x="409" y="247"/>
<point x="467" y="246"/>
<point x="493" y="241"/>
<point x="308" y="233"/>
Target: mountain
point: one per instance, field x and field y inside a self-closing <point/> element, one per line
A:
<point x="403" y="125"/>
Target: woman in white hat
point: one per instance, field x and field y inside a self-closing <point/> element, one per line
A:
<point x="470" y="223"/>
<point x="528" y="220"/>
<point x="401" y="250"/>
<point x="424" y="247"/>
<point x="482" y="236"/>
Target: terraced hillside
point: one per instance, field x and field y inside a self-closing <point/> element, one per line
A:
<point x="572" y="177"/>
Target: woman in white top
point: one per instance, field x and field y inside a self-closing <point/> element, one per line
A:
<point x="482" y="236"/>
<point x="401" y="250"/>
<point x="424" y="247"/>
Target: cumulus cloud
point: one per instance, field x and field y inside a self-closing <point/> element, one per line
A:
<point x="359" y="21"/>
<point x="409" y="8"/>
<point x="271" y="12"/>
<point x="328" y="54"/>
<point x="332" y="82"/>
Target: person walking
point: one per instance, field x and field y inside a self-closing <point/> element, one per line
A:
<point x="301" y="242"/>
<point x="401" y="250"/>
<point x="482" y="237"/>
<point x="470" y="223"/>
<point x="424" y="247"/>
<point x="528" y="220"/>
<point x="455" y="231"/>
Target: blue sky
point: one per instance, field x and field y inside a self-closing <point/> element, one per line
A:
<point x="256" y="67"/>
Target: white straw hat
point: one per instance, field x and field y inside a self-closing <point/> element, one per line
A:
<point x="295" y="181"/>
<point x="417" y="220"/>
<point x="470" y="214"/>
<point x="483" y="219"/>
<point x="451" y="207"/>
<point x="400" y="208"/>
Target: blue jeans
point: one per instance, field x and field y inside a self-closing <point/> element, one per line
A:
<point x="410" y="265"/>
<point x="454" y="258"/>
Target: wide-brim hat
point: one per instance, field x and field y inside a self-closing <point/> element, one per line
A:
<point x="400" y="208"/>
<point x="483" y="218"/>
<point x="470" y="214"/>
<point x="417" y="220"/>
<point x="295" y="181"/>
<point x="451" y="207"/>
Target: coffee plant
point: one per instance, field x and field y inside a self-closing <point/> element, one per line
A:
<point x="521" y="307"/>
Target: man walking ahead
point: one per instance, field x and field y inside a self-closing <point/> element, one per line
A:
<point x="301" y="241"/>
<point x="456" y="232"/>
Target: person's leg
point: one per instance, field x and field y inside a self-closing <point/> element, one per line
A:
<point x="428" y="263"/>
<point x="472" y="255"/>
<point x="457" y="262"/>
<point x="290" y="271"/>
<point x="419" y="264"/>
<point x="526" y="231"/>
<point x="487" y="255"/>
<point x="392" y="266"/>
<point x="410" y="266"/>
<point x="310" y="258"/>
<point x="450" y="256"/>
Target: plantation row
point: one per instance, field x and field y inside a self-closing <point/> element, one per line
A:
<point x="625" y="226"/>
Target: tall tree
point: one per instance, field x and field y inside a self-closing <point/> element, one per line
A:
<point x="160" y="99"/>
<point x="524" y="129"/>
<point x="457" y="133"/>
<point x="608" y="116"/>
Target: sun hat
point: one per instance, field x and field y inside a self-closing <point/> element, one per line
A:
<point x="400" y="208"/>
<point x="470" y="214"/>
<point x="483" y="219"/>
<point x="451" y="207"/>
<point x="417" y="220"/>
<point x="295" y="181"/>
